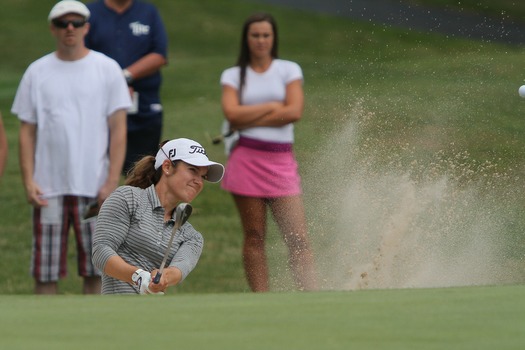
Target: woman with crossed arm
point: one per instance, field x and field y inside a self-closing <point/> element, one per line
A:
<point x="262" y="98"/>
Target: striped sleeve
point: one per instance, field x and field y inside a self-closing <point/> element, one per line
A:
<point x="112" y="227"/>
<point x="189" y="251"/>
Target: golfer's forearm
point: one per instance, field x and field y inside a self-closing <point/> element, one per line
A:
<point x="174" y="275"/>
<point x="117" y="268"/>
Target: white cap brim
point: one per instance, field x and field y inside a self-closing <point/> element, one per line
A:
<point x="215" y="170"/>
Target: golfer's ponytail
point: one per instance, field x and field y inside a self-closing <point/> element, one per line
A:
<point x="143" y="173"/>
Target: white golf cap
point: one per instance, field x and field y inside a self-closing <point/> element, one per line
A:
<point x="68" y="6"/>
<point x="190" y="152"/>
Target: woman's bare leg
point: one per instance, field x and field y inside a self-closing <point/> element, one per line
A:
<point x="290" y="217"/>
<point x="253" y="218"/>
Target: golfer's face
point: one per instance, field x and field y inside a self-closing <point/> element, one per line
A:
<point x="260" y="39"/>
<point x="188" y="181"/>
<point x="70" y="29"/>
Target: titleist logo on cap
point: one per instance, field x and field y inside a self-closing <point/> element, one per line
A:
<point x="193" y="149"/>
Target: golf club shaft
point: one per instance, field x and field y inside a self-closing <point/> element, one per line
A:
<point x="219" y="138"/>
<point x="182" y="213"/>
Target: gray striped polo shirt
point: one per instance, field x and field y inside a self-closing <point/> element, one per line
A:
<point x="131" y="224"/>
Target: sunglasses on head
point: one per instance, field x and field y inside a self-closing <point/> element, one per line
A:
<point x="59" y="23"/>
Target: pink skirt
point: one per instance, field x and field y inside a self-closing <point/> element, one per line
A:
<point x="256" y="169"/>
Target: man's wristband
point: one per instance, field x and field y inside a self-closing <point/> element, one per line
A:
<point x="128" y="76"/>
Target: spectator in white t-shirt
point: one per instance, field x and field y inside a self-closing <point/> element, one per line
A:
<point x="72" y="107"/>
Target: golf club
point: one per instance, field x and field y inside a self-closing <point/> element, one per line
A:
<point x="219" y="138"/>
<point x="182" y="213"/>
<point x="91" y="210"/>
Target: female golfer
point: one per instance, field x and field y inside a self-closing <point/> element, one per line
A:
<point x="135" y="222"/>
<point x="262" y="98"/>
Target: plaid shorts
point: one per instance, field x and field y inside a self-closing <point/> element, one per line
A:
<point x="51" y="226"/>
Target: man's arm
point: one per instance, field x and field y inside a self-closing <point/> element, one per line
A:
<point x="27" y="147"/>
<point x="147" y="65"/>
<point x="117" y="153"/>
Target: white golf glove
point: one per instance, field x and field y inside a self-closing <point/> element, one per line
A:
<point x="142" y="280"/>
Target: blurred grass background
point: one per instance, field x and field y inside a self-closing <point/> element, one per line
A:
<point x="431" y="92"/>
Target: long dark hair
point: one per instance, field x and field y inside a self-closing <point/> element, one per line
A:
<point x="244" y="55"/>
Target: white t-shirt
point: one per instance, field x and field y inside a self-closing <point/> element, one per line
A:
<point x="265" y="87"/>
<point x="70" y="101"/>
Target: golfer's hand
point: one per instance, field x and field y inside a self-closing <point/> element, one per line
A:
<point x="161" y="286"/>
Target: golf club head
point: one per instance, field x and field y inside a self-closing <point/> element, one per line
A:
<point x="217" y="139"/>
<point x="182" y="213"/>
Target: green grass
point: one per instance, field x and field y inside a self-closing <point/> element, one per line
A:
<point x="452" y="318"/>
<point x="382" y="104"/>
